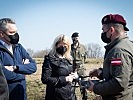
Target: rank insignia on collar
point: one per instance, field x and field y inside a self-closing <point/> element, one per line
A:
<point x="116" y="62"/>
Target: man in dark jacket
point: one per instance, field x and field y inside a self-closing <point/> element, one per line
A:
<point x="15" y="60"/>
<point x="4" y="95"/>
<point x="117" y="72"/>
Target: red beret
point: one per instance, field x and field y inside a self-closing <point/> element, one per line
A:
<point x="114" y="18"/>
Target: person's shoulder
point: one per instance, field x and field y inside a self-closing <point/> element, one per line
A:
<point x="82" y="47"/>
<point x="18" y="45"/>
<point x="49" y="57"/>
<point x="46" y="56"/>
<point x="72" y="45"/>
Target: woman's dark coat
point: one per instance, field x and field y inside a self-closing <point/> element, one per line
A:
<point x="54" y="71"/>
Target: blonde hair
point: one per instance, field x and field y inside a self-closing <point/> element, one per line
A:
<point x="64" y="39"/>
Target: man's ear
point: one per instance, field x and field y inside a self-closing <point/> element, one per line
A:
<point x="1" y="34"/>
<point x="112" y="29"/>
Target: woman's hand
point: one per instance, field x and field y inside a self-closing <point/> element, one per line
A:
<point x="75" y="74"/>
<point x="71" y="77"/>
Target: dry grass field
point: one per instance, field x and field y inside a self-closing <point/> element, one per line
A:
<point x="36" y="90"/>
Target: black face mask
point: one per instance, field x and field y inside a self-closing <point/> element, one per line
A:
<point x="14" y="39"/>
<point x="61" y="50"/>
<point x="104" y="37"/>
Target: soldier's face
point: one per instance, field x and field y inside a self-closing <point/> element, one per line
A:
<point x="75" y="40"/>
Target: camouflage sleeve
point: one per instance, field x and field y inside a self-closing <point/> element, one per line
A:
<point x="120" y="71"/>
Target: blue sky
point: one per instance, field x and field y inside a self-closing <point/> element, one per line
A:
<point x="40" y="21"/>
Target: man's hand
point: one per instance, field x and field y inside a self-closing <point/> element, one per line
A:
<point x="71" y="77"/>
<point x="95" y="73"/>
<point x="91" y="85"/>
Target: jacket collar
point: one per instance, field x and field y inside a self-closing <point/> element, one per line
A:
<point x="113" y="43"/>
<point x="3" y="48"/>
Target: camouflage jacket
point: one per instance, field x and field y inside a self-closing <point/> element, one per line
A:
<point x="78" y="54"/>
<point x="117" y="71"/>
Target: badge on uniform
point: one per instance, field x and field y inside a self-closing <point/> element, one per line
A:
<point x="116" y="62"/>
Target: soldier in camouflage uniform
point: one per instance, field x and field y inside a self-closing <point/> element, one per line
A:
<point x="78" y="54"/>
<point x="117" y="72"/>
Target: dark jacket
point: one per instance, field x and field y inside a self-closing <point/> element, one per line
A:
<point x="54" y="71"/>
<point x="16" y="80"/>
<point x="4" y="94"/>
<point x="117" y="71"/>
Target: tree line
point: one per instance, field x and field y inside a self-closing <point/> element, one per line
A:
<point x="92" y="51"/>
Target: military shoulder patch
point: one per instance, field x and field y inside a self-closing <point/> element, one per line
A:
<point x="116" y="62"/>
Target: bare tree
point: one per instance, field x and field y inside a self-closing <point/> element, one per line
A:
<point x="94" y="50"/>
<point x="40" y="54"/>
<point x="30" y="51"/>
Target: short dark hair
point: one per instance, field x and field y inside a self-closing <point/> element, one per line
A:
<point x="75" y="34"/>
<point x="3" y="23"/>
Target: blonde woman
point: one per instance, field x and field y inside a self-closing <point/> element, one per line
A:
<point x="57" y="71"/>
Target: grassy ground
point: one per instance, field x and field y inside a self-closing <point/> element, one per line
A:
<point x="36" y="90"/>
